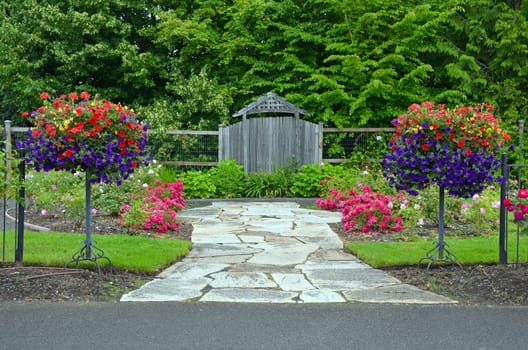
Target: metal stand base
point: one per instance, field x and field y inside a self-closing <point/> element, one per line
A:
<point x="89" y="252"/>
<point x="440" y="254"/>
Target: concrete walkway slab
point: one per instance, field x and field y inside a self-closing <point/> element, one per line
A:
<point x="241" y="280"/>
<point x="243" y="295"/>
<point x="292" y="281"/>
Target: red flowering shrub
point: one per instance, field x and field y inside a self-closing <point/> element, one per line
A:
<point x="158" y="208"/>
<point x="364" y="209"/>
<point x="518" y="205"/>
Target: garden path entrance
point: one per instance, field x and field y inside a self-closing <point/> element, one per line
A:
<point x="272" y="252"/>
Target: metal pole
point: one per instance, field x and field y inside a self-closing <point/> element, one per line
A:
<point x="88" y="241"/>
<point x="521" y="132"/>
<point x="441" y="223"/>
<point x="8" y="147"/>
<point x="503" y="253"/>
<point x="519" y="180"/>
<point x="19" y="253"/>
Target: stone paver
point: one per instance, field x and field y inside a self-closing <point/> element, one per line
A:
<point x="272" y="252"/>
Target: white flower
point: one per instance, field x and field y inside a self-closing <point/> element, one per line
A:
<point x="145" y="185"/>
<point x="150" y="172"/>
<point x="420" y="222"/>
<point x="417" y="206"/>
<point x="378" y="138"/>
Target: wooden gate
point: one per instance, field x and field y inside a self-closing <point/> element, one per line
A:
<point x="271" y="142"/>
<point x="265" y="143"/>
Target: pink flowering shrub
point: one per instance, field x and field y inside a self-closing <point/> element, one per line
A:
<point x="157" y="210"/>
<point x="364" y="209"/>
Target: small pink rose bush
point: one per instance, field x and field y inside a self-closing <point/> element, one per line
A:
<point x="518" y="204"/>
<point x="156" y="210"/>
<point x="364" y="209"/>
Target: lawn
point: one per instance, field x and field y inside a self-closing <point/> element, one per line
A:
<point x="127" y="253"/>
<point x="467" y="250"/>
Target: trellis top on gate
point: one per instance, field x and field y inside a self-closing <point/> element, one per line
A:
<point x="270" y="103"/>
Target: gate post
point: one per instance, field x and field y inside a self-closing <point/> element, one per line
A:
<point x="7" y="132"/>
<point x="503" y="226"/>
<point x="220" y="142"/>
<point x="320" y="143"/>
<point x="245" y="137"/>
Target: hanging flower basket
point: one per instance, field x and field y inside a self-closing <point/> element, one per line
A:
<point x="75" y="132"/>
<point x="455" y="149"/>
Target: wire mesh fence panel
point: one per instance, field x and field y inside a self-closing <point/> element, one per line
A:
<point x="184" y="149"/>
<point x="342" y="144"/>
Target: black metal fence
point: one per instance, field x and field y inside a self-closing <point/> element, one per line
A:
<point x="513" y="179"/>
<point x="12" y="174"/>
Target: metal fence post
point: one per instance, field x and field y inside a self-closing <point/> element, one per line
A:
<point x="7" y="132"/>
<point x="503" y="252"/>
<point x="19" y="252"/>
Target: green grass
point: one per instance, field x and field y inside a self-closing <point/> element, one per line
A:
<point x="129" y="253"/>
<point x="467" y="250"/>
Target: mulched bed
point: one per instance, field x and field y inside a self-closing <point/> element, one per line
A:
<point x="473" y="285"/>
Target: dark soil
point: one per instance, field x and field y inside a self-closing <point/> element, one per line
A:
<point x="472" y="285"/>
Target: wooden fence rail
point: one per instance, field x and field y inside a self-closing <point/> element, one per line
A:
<point x="351" y="135"/>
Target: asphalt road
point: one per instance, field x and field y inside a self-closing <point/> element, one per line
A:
<point x="259" y="326"/>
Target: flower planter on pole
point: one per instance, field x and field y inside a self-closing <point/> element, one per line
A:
<point x="77" y="133"/>
<point x="455" y="149"/>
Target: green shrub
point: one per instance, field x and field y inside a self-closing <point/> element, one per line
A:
<point x="341" y="178"/>
<point x="269" y="185"/>
<point x="229" y="178"/>
<point x="197" y="184"/>
<point x="307" y="181"/>
<point x="168" y="174"/>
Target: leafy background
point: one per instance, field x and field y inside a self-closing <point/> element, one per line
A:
<point x="190" y="64"/>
